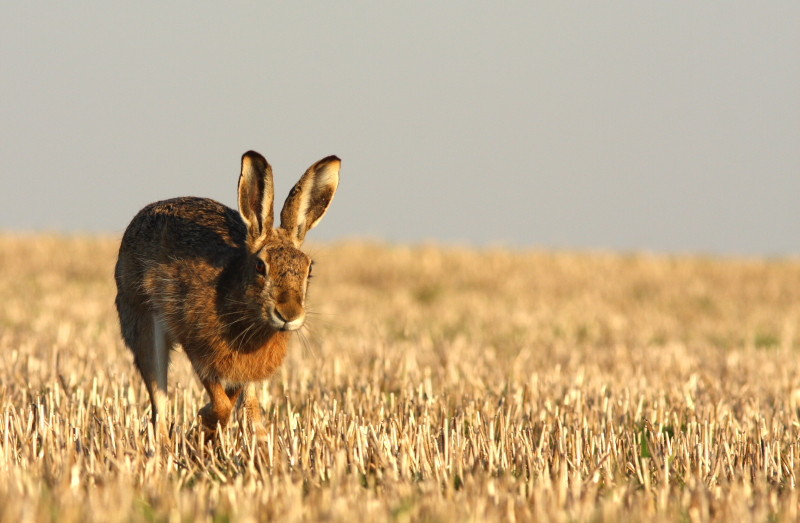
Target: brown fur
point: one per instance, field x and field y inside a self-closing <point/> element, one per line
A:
<point x="188" y="274"/>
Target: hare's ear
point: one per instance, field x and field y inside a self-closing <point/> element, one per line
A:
<point x="309" y="199"/>
<point x="256" y="194"/>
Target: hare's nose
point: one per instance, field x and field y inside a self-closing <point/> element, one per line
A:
<point x="291" y="314"/>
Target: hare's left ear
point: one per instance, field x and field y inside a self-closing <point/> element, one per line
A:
<point x="309" y="199"/>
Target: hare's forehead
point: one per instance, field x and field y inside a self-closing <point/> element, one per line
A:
<point x="285" y="255"/>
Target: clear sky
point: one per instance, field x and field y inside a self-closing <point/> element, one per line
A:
<point x="669" y="126"/>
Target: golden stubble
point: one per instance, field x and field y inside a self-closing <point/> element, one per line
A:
<point x="430" y="383"/>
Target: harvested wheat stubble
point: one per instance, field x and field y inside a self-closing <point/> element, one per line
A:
<point x="431" y="383"/>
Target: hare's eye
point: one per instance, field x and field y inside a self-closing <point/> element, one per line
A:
<point x="261" y="267"/>
<point x="311" y="266"/>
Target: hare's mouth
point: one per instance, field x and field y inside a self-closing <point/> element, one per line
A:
<point x="279" y="322"/>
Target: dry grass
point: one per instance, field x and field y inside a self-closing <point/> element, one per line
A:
<point x="443" y="384"/>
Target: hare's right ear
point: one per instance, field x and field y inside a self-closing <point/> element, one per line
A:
<point x="256" y="194"/>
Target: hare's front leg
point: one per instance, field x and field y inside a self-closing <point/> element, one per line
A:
<point x="253" y="411"/>
<point x="218" y="411"/>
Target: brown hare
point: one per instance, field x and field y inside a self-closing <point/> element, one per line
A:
<point x="225" y="285"/>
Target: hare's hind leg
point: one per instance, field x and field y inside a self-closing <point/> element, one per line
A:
<point x="146" y="337"/>
<point x="158" y="377"/>
<point x="152" y="359"/>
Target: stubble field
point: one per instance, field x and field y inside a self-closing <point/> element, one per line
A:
<point x="430" y="384"/>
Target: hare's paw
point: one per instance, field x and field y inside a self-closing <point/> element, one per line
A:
<point x="260" y="432"/>
<point x="161" y="429"/>
<point x="213" y="417"/>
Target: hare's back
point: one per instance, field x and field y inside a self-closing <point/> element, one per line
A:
<point x="185" y="227"/>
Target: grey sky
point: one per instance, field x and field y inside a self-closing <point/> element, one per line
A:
<point x="671" y="126"/>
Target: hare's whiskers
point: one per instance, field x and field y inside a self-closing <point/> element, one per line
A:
<point x="306" y="342"/>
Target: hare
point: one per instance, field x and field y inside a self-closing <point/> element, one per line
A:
<point x="225" y="285"/>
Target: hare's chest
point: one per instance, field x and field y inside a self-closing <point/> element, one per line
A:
<point x="254" y="365"/>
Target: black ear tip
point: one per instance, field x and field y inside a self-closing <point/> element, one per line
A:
<point x="330" y="159"/>
<point x="253" y="156"/>
<point x="256" y="159"/>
